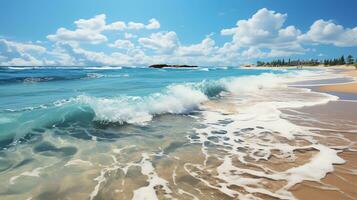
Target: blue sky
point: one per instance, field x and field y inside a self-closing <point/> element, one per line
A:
<point x="227" y="32"/>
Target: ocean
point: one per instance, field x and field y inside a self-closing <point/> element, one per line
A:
<point x="143" y="133"/>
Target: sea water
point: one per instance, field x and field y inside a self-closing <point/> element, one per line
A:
<point x="142" y="133"/>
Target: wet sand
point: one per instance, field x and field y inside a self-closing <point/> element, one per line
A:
<point x="341" y="183"/>
<point x="346" y="87"/>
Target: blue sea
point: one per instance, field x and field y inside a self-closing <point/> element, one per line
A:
<point x="144" y="133"/>
<point x="34" y="98"/>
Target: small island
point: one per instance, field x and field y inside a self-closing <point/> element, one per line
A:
<point x="171" y="66"/>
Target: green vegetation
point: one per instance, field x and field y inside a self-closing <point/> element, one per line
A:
<point x="281" y="63"/>
<point x="350" y="60"/>
<point x="312" y="62"/>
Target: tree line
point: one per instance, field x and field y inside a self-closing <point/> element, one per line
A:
<point x="312" y="62"/>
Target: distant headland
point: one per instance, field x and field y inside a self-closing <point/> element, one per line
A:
<point x="171" y="66"/>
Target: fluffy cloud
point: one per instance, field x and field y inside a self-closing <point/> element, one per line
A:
<point x="153" y="24"/>
<point x="263" y="30"/>
<point x="263" y="35"/>
<point x="129" y="35"/>
<point x="263" y="27"/>
<point x="206" y="47"/>
<point x="135" y="25"/>
<point x="88" y="30"/>
<point x="327" y="32"/>
<point x="91" y="30"/>
<point x="119" y="25"/>
<point x="96" y="23"/>
<point x="162" y="42"/>
<point x="16" y="53"/>
<point x="122" y="44"/>
<point x="20" y="48"/>
<point x="82" y="57"/>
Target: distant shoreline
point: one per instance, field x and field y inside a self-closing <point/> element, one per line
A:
<point x="345" y="67"/>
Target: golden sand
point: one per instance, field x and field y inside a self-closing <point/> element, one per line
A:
<point x="352" y="73"/>
<point x="346" y="88"/>
<point x="342" y="182"/>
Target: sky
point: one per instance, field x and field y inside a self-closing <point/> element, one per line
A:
<point x="197" y="32"/>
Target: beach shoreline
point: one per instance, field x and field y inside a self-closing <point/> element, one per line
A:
<point x="346" y="70"/>
<point x="345" y="87"/>
<point x="262" y="138"/>
<point x="336" y="67"/>
<point x="337" y="184"/>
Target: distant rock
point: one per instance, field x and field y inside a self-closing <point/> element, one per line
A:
<point x="171" y="66"/>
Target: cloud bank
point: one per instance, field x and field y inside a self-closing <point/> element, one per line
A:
<point x="95" y="41"/>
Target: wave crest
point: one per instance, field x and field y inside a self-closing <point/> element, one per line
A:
<point x="184" y="98"/>
<point x="177" y="99"/>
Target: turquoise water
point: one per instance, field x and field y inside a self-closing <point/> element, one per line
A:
<point x="140" y="133"/>
<point x="34" y="98"/>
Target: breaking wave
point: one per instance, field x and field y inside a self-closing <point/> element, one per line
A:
<point x="184" y="98"/>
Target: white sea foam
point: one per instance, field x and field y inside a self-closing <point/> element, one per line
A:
<point x="139" y="110"/>
<point x="98" y="75"/>
<point x="148" y="192"/>
<point x="258" y="100"/>
<point x="104" y="68"/>
<point x="34" y="173"/>
<point x="78" y="162"/>
<point x="16" y="68"/>
<point x="184" y="98"/>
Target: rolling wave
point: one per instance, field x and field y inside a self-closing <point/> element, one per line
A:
<point x="175" y="99"/>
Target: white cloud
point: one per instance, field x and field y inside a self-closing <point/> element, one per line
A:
<point x="81" y="56"/>
<point x="91" y="30"/>
<point x="29" y="61"/>
<point x="153" y="24"/>
<point x="289" y="33"/>
<point x="263" y="35"/>
<point x="327" y="32"/>
<point x="162" y="42"/>
<point x="119" y="25"/>
<point x="262" y="27"/>
<point x="16" y="53"/>
<point x="129" y="35"/>
<point x="10" y="46"/>
<point x="264" y="30"/>
<point x="78" y="35"/>
<point x="135" y="25"/>
<point x="206" y="47"/>
<point x="96" y="23"/>
<point x="253" y="52"/>
<point x="122" y="44"/>
<point x="88" y="30"/>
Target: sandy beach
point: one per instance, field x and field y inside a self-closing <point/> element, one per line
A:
<point x="335" y="126"/>
<point x="340" y="183"/>
<point x="343" y="69"/>
<point x="347" y="87"/>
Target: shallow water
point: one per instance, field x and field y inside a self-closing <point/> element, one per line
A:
<point x="137" y="133"/>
